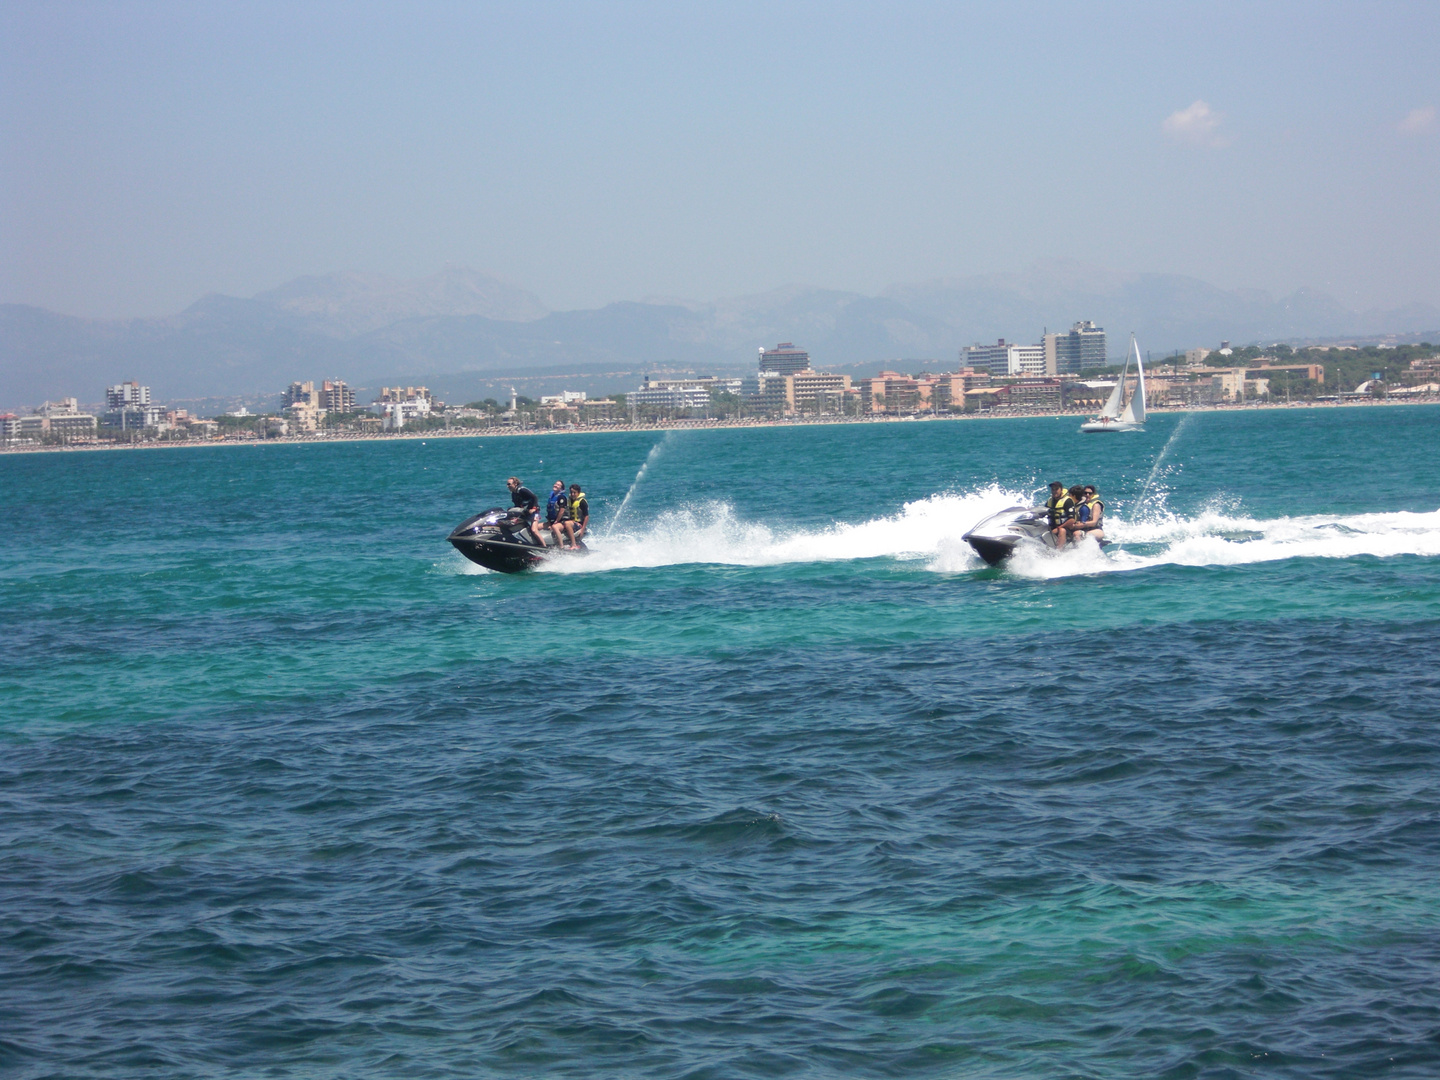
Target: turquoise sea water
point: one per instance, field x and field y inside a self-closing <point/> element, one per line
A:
<point x="778" y="782"/>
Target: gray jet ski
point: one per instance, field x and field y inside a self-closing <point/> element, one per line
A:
<point x="1000" y="535"/>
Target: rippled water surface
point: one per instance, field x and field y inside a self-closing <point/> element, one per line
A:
<point x="780" y="781"/>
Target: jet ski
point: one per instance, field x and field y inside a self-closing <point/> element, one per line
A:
<point x="501" y="539"/>
<point x="1000" y="535"/>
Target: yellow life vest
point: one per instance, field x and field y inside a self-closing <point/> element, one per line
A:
<point x="575" y="507"/>
<point x="1061" y="507"/>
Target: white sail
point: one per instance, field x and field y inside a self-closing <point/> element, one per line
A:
<point x="1123" y="412"/>
<point x="1111" y="411"/>
<point x="1135" y="411"/>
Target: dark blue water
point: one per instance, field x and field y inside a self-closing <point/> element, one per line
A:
<point x="778" y="782"/>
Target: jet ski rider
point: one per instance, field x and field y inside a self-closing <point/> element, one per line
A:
<point x="577" y="517"/>
<point x="524" y="498"/>
<point x="557" y="512"/>
<point x="1061" y="506"/>
<point x="1089" y="516"/>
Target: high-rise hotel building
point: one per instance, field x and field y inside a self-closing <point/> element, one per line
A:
<point x="784" y="359"/>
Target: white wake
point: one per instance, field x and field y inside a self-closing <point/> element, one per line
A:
<point x="928" y="533"/>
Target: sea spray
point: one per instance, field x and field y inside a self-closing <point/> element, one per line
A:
<point x="1160" y="459"/>
<point x="650" y="459"/>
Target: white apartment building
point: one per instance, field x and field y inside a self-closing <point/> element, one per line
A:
<point x="127" y="395"/>
<point x="1005" y="358"/>
<point x="565" y="397"/>
<point x="691" y="393"/>
<point x="396" y="414"/>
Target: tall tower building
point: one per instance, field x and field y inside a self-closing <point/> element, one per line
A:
<point x="336" y="397"/>
<point x="1083" y="347"/>
<point x="301" y="393"/>
<point x="126" y="395"/>
<point x="784" y="359"/>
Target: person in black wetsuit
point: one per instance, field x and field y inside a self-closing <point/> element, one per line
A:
<point x="524" y="498"/>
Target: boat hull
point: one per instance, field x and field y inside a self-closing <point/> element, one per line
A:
<point x="1092" y="426"/>
<point x="1001" y="535"/>
<point x="502" y="541"/>
<point x="497" y="555"/>
<point x="994" y="550"/>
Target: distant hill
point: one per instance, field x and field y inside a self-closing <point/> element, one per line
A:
<point x="368" y="329"/>
<point x="355" y="303"/>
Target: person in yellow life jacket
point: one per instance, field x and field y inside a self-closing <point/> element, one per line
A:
<point x="1062" y="508"/>
<point x="577" y="524"/>
<point x="1089" y="516"/>
<point x="1070" y="530"/>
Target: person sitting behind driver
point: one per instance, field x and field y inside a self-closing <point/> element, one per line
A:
<point x="1062" y="508"/>
<point x="557" y="511"/>
<point x="578" y="521"/>
<point x="1070" y="530"/>
<point x="1089" y="516"/>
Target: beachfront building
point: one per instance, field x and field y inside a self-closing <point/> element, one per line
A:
<point x="300" y="393"/>
<point x="128" y="407"/>
<point x="769" y="392"/>
<point x="1046" y="394"/>
<point x="62" y="419"/>
<point x="592" y="410"/>
<point x="685" y="393"/>
<point x="806" y="391"/>
<point x="817" y="391"/>
<point x="336" y="397"/>
<point x="784" y="359"/>
<point x="398" y="406"/>
<point x="1005" y="358"/>
<point x="670" y="397"/>
<point x="889" y="392"/>
<point x="1080" y="349"/>
<point x="135" y="419"/>
<point x="304" y="416"/>
<point x="391" y="394"/>
<point x="127" y="395"/>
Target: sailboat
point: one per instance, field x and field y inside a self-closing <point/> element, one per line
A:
<point x="1118" y="413"/>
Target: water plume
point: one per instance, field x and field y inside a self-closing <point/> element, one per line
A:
<point x="1160" y="459"/>
<point x="650" y="459"/>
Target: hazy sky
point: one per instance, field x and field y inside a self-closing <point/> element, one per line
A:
<point x="151" y="153"/>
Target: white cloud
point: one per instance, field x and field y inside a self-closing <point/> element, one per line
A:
<point x="1198" y="124"/>
<point x="1418" y="121"/>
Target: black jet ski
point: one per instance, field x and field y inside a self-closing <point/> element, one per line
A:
<point x="501" y="539"/>
<point x="1000" y="535"/>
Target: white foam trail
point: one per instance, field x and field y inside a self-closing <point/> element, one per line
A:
<point x="930" y="530"/>
<point x="713" y="534"/>
<point x="1215" y="538"/>
<point x="644" y="468"/>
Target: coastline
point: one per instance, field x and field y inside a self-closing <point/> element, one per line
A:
<point x="671" y="425"/>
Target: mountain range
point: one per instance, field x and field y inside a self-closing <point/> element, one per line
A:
<point x="369" y="329"/>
